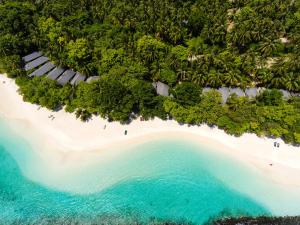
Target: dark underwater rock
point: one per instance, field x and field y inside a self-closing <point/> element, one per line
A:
<point x="288" y="220"/>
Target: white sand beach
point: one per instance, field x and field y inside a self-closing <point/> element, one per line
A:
<point x="66" y="134"/>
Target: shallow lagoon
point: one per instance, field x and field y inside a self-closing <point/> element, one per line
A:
<point x="166" y="179"/>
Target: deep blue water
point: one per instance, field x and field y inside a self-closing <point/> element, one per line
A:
<point x="166" y="180"/>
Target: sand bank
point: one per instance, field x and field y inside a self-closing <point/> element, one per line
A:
<point x="67" y="135"/>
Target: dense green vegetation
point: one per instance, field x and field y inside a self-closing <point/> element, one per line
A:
<point x="188" y="44"/>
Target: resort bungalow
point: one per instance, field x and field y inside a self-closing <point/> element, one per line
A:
<point x="78" y="78"/>
<point x="161" y="88"/>
<point x="54" y="74"/>
<point x="251" y="92"/>
<point x="35" y="63"/>
<point x="42" y="70"/>
<point x="207" y="89"/>
<point x="31" y="57"/>
<point x="224" y="91"/>
<point x="286" y="94"/>
<point x="239" y="92"/>
<point x="93" y="78"/>
<point x="66" y="77"/>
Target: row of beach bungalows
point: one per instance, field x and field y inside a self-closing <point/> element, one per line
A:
<point x="163" y="89"/>
<point x="40" y="65"/>
<point x="248" y="92"/>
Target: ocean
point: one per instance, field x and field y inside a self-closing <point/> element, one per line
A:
<point x="161" y="180"/>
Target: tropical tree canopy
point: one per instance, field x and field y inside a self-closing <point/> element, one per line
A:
<point x="187" y="44"/>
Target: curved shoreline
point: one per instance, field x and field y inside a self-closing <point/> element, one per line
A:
<point x="72" y="139"/>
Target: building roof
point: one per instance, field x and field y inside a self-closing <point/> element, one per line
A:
<point x="66" y="77"/>
<point x="206" y="89"/>
<point x="161" y="88"/>
<point x="35" y="63"/>
<point x="252" y="92"/>
<point x="77" y="78"/>
<point x="239" y="92"/>
<point x="93" y="78"/>
<point x="54" y="74"/>
<point x="42" y="70"/>
<point x="31" y="57"/>
<point x="224" y="91"/>
<point x="294" y="94"/>
<point x="285" y="94"/>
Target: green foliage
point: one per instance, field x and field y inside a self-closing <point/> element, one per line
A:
<point x="168" y="76"/>
<point x="187" y="44"/>
<point x="270" y="97"/>
<point x="297" y="137"/>
<point x="240" y="115"/>
<point x="12" y="65"/>
<point x="16" y="26"/>
<point x="187" y="94"/>
<point x="197" y="45"/>
<point x="210" y="43"/>
<point x="150" y="49"/>
<point x="77" y="51"/>
<point x="44" y="92"/>
<point x="16" y="17"/>
<point x="110" y="98"/>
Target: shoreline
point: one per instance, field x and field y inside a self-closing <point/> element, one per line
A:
<point x="72" y="139"/>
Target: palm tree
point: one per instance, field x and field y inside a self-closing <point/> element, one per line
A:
<point x="244" y="37"/>
<point x="291" y="83"/>
<point x="240" y="37"/>
<point x="232" y="78"/>
<point x="218" y="33"/>
<point x="183" y="75"/>
<point x="293" y="63"/>
<point x="234" y="102"/>
<point x="264" y="76"/>
<point x="156" y="68"/>
<point x="268" y="47"/>
<point x="199" y="78"/>
<point x="248" y="63"/>
<point x="214" y="79"/>
<point x="278" y="81"/>
<point x="279" y="67"/>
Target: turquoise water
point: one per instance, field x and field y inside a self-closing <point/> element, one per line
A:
<point x="166" y="180"/>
